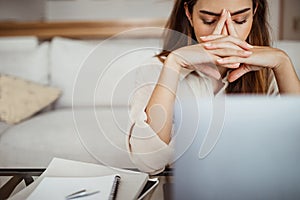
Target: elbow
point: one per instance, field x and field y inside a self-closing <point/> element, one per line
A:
<point x="148" y="152"/>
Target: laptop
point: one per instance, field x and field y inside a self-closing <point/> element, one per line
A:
<point x="237" y="147"/>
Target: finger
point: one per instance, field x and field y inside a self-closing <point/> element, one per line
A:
<point x="220" y="24"/>
<point x="236" y="74"/>
<point x="217" y="42"/>
<point x="226" y="52"/>
<point x="210" y="37"/>
<point x="232" y="66"/>
<point x="229" y="23"/>
<point x="231" y="60"/>
<point x="224" y="31"/>
<point x="224" y="45"/>
<point x="210" y="71"/>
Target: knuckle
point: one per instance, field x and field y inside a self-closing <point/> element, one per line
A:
<point x="230" y="37"/>
<point x="228" y="51"/>
<point x="241" y="52"/>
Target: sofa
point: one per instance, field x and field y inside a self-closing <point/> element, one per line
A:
<point x="88" y="120"/>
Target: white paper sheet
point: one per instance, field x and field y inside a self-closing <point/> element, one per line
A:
<point x="60" y="187"/>
<point x="130" y="186"/>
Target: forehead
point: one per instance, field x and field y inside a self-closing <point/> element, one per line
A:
<point x="218" y="5"/>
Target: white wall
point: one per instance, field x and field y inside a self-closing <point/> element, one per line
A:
<point x="107" y="9"/>
<point x="291" y="20"/>
<point x="274" y="18"/>
<point x="61" y="10"/>
<point x="22" y="10"/>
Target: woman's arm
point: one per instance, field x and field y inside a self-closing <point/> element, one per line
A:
<point x="159" y="109"/>
<point x="160" y="106"/>
<point x="286" y="77"/>
<point x="276" y="59"/>
<point x="146" y="150"/>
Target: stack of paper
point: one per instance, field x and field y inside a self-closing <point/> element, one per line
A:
<point x="86" y="175"/>
<point x="60" y="187"/>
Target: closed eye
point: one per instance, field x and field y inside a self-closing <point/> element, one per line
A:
<point x="209" y="22"/>
<point x="240" y="22"/>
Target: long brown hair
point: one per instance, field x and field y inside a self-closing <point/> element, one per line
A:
<point x="180" y="33"/>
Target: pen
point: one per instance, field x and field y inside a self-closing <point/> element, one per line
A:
<point x="114" y="189"/>
<point x="81" y="193"/>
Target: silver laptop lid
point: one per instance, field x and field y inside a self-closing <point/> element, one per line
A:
<point x="252" y="152"/>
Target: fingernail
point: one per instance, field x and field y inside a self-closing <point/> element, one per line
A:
<point x="223" y="12"/>
<point x="207" y="44"/>
<point x="248" y="52"/>
<point x="236" y="65"/>
<point x="250" y="46"/>
<point x="220" y="60"/>
<point x="228" y="13"/>
<point x="203" y="37"/>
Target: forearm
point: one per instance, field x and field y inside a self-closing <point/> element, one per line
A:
<point x="160" y="107"/>
<point x="286" y="77"/>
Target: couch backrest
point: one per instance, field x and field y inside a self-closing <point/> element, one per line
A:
<point x="98" y="72"/>
<point x="95" y="72"/>
<point x="24" y="58"/>
<point x="292" y="48"/>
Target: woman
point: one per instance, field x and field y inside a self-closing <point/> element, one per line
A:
<point x="231" y="53"/>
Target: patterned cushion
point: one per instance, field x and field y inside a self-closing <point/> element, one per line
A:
<point x="20" y="99"/>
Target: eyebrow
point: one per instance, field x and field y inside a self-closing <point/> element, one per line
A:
<point x="218" y="14"/>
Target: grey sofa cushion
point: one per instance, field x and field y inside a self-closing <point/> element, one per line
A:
<point x="84" y="134"/>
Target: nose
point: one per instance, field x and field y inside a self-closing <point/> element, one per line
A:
<point x="224" y="30"/>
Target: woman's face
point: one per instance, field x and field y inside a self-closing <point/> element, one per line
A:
<point x="206" y="14"/>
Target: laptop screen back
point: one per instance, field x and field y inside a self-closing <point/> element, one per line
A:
<point x="255" y="153"/>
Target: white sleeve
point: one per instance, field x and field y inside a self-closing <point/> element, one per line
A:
<point x="273" y="87"/>
<point x="147" y="151"/>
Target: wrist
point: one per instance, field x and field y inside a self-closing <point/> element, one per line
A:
<point x="171" y="62"/>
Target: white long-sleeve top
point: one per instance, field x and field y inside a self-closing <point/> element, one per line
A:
<point x="147" y="151"/>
